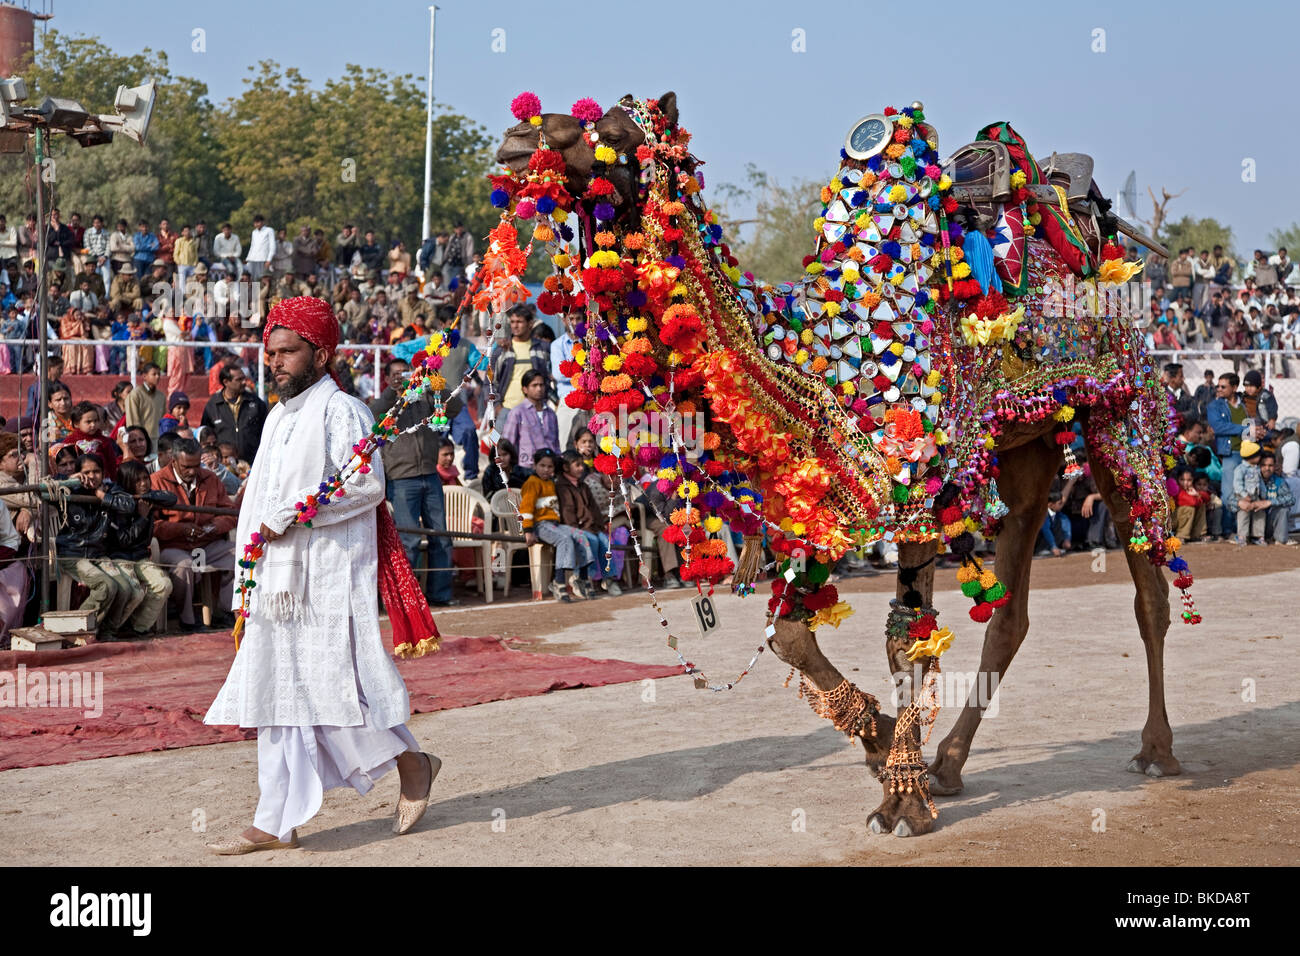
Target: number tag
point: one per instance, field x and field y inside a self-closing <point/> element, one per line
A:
<point x="706" y="614"/>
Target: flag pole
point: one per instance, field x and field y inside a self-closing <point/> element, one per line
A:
<point x="426" y="227"/>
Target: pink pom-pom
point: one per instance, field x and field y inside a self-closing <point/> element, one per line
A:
<point x="587" y="110"/>
<point x="433" y="362"/>
<point x="932" y="485"/>
<point x="933" y="171"/>
<point x="525" y="106"/>
<point x="664" y="486"/>
<point x="860" y="405"/>
<point x="647" y="454"/>
<point x="525" y="209"/>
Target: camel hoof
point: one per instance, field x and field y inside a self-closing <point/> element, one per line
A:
<point x="1154" y="770"/>
<point x="877" y="824"/>
<point x="902" y="829"/>
<point x="941" y="790"/>
<point x="1136" y="766"/>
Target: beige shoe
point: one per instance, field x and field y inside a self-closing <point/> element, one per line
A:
<point x="410" y="811"/>
<point x="242" y="845"/>
<point x="575" y="587"/>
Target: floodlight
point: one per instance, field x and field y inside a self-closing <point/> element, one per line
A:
<point x="12" y="90"/>
<point x="134" y="105"/>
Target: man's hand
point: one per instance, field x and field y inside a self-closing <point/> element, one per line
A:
<point x="270" y="535"/>
<point x="22" y="521"/>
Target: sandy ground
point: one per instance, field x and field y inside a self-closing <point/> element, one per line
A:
<point x="663" y="773"/>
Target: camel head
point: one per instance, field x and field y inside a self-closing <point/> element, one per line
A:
<point x="577" y="143"/>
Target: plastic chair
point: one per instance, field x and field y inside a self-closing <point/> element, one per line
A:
<point x="505" y="508"/>
<point x="462" y="505"/>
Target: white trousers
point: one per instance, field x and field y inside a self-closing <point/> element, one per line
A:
<point x="296" y="765"/>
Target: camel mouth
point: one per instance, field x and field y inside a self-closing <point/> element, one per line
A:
<point x="520" y="143"/>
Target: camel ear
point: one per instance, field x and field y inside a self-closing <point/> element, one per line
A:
<point x="627" y="100"/>
<point x="668" y="106"/>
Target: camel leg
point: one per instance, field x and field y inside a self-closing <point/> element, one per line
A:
<point x="906" y="808"/>
<point x="1027" y="473"/>
<point x="831" y="695"/>
<point x="1151" y="604"/>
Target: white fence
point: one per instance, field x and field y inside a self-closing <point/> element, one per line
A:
<point x="1280" y="370"/>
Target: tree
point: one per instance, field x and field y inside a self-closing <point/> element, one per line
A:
<point x="781" y="233"/>
<point x="1197" y="233"/>
<point x="1288" y="238"/>
<point x="173" y="174"/>
<point x="1158" y="210"/>
<point x="351" y="152"/>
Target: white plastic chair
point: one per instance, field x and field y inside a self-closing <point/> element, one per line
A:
<point x="462" y="504"/>
<point x="541" y="560"/>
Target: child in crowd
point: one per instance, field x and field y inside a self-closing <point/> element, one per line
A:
<point x="585" y="443"/>
<point x="178" y="410"/>
<point x="506" y="475"/>
<point x="1213" y="506"/>
<point x="447" y="470"/>
<point x="128" y="547"/>
<point x="1189" y="507"/>
<point x="230" y="458"/>
<point x="1264" y="499"/>
<point x="578" y="510"/>
<point x="539" y="508"/>
<point x="1054" y="536"/>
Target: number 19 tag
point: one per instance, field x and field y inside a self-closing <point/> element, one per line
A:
<point x="706" y="614"/>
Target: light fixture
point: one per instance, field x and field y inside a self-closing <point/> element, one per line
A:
<point x="12" y="90"/>
<point x="134" y="105"/>
<point x="62" y="114"/>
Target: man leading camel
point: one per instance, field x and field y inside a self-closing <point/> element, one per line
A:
<point x="312" y="674"/>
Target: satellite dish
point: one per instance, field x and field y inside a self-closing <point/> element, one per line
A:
<point x="1129" y="194"/>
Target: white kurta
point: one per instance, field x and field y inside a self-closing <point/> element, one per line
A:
<point x="295" y="672"/>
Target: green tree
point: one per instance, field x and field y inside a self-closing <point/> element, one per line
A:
<point x="774" y="241"/>
<point x="1288" y="238"/>
<point x="173" y="174"/>
<point x="1197" y="233"/>
<point x="351" y="152"/>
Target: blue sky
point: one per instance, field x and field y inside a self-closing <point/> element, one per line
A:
<point x="1184" y="93"/>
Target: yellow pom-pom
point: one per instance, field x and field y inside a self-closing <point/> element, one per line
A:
<point x="848" y="388"/>
<point x="988" y="579"/>
<point x="933" y="378"/>
<point x="1018" y="179"/>
<point x="579" y="354"/>
<point x="960" y="271"/>
<point x="606" y="154"/>
<point x="818" y="223"/>
<point x="806" y="336"/>
<point x="944" y="182"/>
<point x="904" y="121"/>
<point x="637" y="324"/>
<point x="897" y="279"/>
<point x="559" y="215"/>
<point x="613" y="363"/>
<point x="966" y="573"/>
<point x="713" y="524"/>
<point x="1064" y="414"/>
<point x="1172" y="545"/>
<point x="832" y="309"/>
<point x="535" y="120"/>
<point x="815" y="268"/>
<point x="801" y="356"/>
<point x="988" y="442"/>
<point x="897" y="348"/>
<point x="852" y="275"/>
<point x="798" y="528"/>
<point x="561" y="261"/>
<point x="897" y="194"/>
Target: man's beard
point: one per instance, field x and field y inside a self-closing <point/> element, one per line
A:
<point x="297" y="384"/>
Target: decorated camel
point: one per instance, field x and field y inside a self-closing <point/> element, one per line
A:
<point x="956" y="329"/>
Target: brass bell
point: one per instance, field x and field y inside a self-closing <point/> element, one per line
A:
<point x="917" y="105"/>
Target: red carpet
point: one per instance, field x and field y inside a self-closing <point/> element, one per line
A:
<point x="155" y="692"/>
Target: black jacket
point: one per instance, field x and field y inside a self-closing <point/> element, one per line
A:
<point x="84" y="533"/>
<point x="129" y="534"/>
<point x="244" y="432"/>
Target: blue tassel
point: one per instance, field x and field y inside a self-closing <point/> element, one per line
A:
<point x="1178" y="565"/>
<point x="979" y="256"/>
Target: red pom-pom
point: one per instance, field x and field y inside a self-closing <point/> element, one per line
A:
<point x="981" y="613"/>
<point x="606" y="464"/>
<point x="580" y="399"/>
<point x="920" y="629"/>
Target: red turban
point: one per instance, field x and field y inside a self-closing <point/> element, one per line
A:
<point x="414" y="632"/>
<point x="311" y="318"/>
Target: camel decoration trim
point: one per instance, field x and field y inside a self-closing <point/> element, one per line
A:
<point x="918" y="382"/>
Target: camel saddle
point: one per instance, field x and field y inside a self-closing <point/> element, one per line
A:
<point x="981" y="178"/>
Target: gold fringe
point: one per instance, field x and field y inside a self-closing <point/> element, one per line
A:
<point x="402" y="650"/>
<point x="237" y="630"/>
<point x="751" y="557"/>
<point x="430" y="645"/>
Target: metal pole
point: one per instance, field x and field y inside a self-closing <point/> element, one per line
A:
<point x="426" y="228"/>
<point x="42" y="361"/>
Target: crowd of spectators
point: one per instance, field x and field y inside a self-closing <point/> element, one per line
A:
<point x="1236" y="474"/>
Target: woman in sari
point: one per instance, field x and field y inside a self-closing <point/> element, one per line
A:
<point x="77" y="359"/>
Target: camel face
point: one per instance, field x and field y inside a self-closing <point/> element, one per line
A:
<point x="564" y="134"/>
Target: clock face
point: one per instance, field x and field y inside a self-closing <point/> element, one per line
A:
<point x="869" y="136"/>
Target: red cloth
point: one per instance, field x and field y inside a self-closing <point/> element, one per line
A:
<point x="414" y="632"/>
<point x="156" y="692"/>
<point x="1192" y="499"/>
